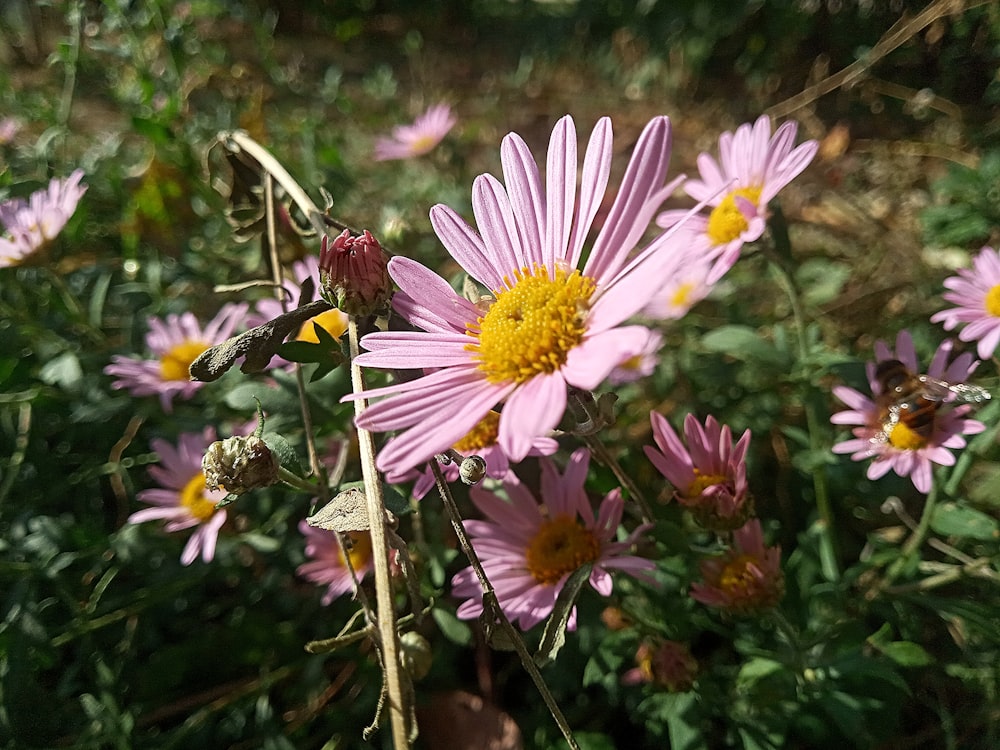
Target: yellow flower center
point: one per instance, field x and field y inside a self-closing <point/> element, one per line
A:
<point x="726" y="222"/>
<point x="683" y="293"/>
<point x="736" y="578"/>
<point x="176" y="363"/>
<point x="530" y="329"/>
<point x="993" y="301"/>
<point x="193" y="498"/>
<point x="483" y="435"/>
<point x="422" y="144"/>
<point x="905" y="439"/>
<point x="332" y="321"/>
<point x="560" y="546"/>
<point x="702" y="481"/>
<point x="360" y="552"/>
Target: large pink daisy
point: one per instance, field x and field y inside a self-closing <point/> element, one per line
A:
<point x="761" y="165"/>
<point x="175" y="343"/>
<point x="976" y="291"/>
<point x="182" y="499"/>
<point x="903" y="450"/>
<point x="551" y="320"/>
<point x="529" y="550"/>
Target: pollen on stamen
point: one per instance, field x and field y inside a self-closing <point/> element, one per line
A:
<point x="533" y="325"/>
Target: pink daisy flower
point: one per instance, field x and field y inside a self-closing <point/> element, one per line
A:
<point x="9" y="128"/>
<point x="891" y="443"/>
<point x="761" y="165"/>
<point x="745" y="579"/>
<point x="666" y="664"/>
<point x="332" y="321"/>
<point x="182" y="499"/>
<point x="683" y="290"/>
<point x="976" y="291"/>
<point x="709" y="475"/>
<point x="481" y="441"/>
<point x="327" y="566"/>
<point x="639" y="365"/>
<point x="549" y="325"/>
<point x="528" y="550"/>
<point x="175" y="343"/>
<point x="417" y="139"/>
<point x="32" y="224"/>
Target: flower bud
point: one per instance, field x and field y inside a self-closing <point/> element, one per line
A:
<point x="239" y="464"/>
<point x="415" y="654"/>
<point x="354" y="274"/>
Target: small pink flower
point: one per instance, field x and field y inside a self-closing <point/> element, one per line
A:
<point x="529" y="550"/>
<point x="9" y="128"/>
<point x="709" y="475"/>
<point x="903" y="450"/>
<point x="551" y="321"/>
<point x="175" y="343"/>
<point x="31" y="225"/>
<point x="745" y="579"/>
<point x="327" y="565"/>
<point x="684" y="289"/>
<point x="182" y="499"/>
<point x="333" y="321"/>
<point x="667" y="664"/>
<point x="481" y="441"/>
<point x="641" y="364"/>
<point x="408" y="141"/>
<point x="976" y="291"/>
<point x="761" y="165"/>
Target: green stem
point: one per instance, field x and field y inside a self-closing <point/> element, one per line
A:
<point x="916" y="539"/>
<point x="294" y="480"/>
<point x="814" y="422"/>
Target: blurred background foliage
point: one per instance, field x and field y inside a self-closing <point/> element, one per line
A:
<point x="108" y="642"/>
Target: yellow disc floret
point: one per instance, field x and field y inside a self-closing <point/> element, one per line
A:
<point x="176" y="363"/>
<point x="992" y="301"/>
<point x="727" y="222"/>
<point x="905" y="439"/>
<point x="533" y="325"/>
<point x="193" y="498"/>
<point x="560" y="546"/>
<point x="702" y="482"/>
<point x="361" y="550"/>
<point x="483" y="435"/>
<point x="332" y="321"/>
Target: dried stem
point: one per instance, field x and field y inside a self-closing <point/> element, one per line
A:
<point x="492" y="608"/>
<point x="385" y="614"/>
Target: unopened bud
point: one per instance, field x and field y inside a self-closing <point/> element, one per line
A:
<point x="354" y="274"/>
<point x="239" y="464"/>
<point x="472" y="470"/>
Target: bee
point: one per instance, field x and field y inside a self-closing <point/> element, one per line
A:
<point x="913" y="400"/>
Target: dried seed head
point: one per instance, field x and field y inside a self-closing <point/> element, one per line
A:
<point x="239" y="464"/>
<point x="472" y="470"/>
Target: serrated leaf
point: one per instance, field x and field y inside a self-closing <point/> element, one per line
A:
<point x="554" y="636"/>
<point x="951" y="519"/>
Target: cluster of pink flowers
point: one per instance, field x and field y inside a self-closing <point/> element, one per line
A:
<point x="494" y="377"/>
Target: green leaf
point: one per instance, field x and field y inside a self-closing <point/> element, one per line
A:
<point x="757" y="669"/>
<point x="907" y="654"/>
<point x="555" y="627"/>
<point x="287" y="458"/>
<point x="63" y="371"/>
<point x="951" y="519"/>
<point x="451" y="627"/>
<point x="744" y="343"/>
